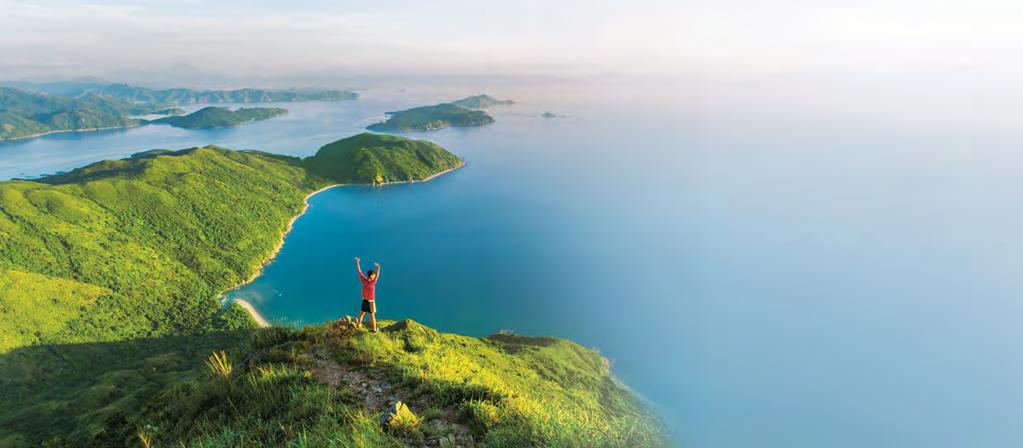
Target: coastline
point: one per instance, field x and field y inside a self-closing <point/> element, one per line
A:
<point x="280" y="243"/>
<point x="41" y="134"/>
<point x="419" y="180"/>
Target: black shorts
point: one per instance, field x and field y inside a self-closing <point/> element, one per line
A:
<point x="369" y="307"/>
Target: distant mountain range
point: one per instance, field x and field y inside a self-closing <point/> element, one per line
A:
<point x="34" y="109"/>
<point x="136" y="94"/>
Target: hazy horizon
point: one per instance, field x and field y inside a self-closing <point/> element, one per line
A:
<point x="312" y="42"/>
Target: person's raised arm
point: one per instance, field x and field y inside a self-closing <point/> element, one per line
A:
<point x="378" y="270"/>
<point x="358" y="268"/>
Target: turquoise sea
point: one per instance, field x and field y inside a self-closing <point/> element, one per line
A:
<point x="766" y="274"/>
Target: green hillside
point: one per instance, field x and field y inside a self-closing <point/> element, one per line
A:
<point x="220" y="117"/>
<point x="375" y="158"/>
<point x="108" y="316"/>
<point x="24" y="114"/>
<point x="408" y="385"/>
<point x="429" y="118"/>
<point x="481" y="102"/>
<point x="155" y="238"/>
<point x="321" y="386"/>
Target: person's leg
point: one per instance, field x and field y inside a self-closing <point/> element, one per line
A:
<point x="361" y="314"/>
<point x="373" y="320"/>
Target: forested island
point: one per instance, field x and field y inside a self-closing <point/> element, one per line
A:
<point x="35" y="109"/>
<point x="220" y="117"/>
<point x="111" y="333"/>
<point x="430" y="118"/>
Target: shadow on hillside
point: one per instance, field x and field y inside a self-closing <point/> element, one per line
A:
<point x="66" y="394"/>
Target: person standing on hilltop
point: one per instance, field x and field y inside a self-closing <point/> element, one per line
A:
<point x="369" y="287"/>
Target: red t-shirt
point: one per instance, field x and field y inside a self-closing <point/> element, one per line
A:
<point x="369" y="287"/>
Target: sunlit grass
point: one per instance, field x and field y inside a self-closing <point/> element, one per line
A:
<point x="508" y="392"/>
<point x="402" y="419"/>
<point x="219" y="365"/>
<point x="144" y="438"/>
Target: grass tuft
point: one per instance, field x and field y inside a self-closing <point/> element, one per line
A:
<point x="402" y="419"/>
<point x="144" y="438"/>
<point x="219" y="365"/>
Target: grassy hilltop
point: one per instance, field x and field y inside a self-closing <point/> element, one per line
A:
<point x="409" y="385"/>
<point x="108" y="316"/>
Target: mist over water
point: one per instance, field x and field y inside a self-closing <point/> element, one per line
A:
<point x="770" y="263"/>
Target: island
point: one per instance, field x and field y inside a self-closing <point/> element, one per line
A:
<point x="220" y="117"/>
<point x="549" y="114"/>
<point x="431" y="118"/>
<point x="113" y="335"/>
<point x="481" y="102"/>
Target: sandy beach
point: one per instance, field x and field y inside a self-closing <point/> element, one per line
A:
<point x="252" y="312"/>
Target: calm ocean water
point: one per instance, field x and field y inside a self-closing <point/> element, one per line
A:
<point x="765" y="276"/>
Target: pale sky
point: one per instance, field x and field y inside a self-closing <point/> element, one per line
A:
<point x="74" y="38"/>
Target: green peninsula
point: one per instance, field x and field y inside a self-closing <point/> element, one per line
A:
<point x="220" y="117"/>
<point x="481" y="102"/>
<point x="375" y="158"/>
<point x="430" y="118"/>
<point x="109" y="278"/>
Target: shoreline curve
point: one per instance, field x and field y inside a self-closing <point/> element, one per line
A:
<point x="280" y="243"/>
<point x="62" y="131"/>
